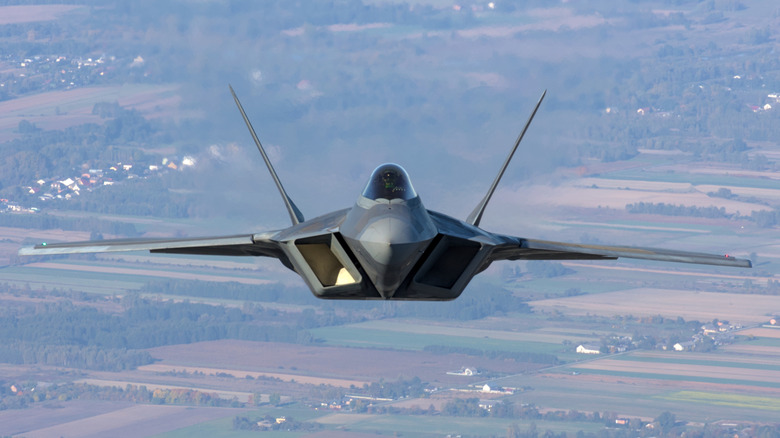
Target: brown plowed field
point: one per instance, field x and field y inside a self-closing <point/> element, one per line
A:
<point x="691" y="305"/>
<point x="330" y="362"/>
<point x="681" y="369"/>
<point x="32" y="13"/>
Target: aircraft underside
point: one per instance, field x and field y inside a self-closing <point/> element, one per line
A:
<point x="333" y="268"/>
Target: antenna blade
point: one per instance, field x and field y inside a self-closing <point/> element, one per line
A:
<point x="476" y="216"/>
<point x="295" y="215"/>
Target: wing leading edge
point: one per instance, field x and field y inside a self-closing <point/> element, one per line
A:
<point x="238" y="245"/>
<point x="516" y="248"/>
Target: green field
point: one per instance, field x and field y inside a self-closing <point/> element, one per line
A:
<point x="692" y="178"/>
<point x="224" y="426"/>
<point x="716" y="360"/>
<point x="406" y="425"/>
<point x="764" y="342"/>
<point x="90" y="282"/>
<point x="425" y="426"/>
<point x="722" y="399"/>
<point x="671" y="377"/>
<point x="351" y="336"/>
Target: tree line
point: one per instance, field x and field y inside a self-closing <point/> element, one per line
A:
<point x="21" y="395"/>
<point x="762" y="218"/>
<point x="62" y="334"/>
<point x="477" y="302"/>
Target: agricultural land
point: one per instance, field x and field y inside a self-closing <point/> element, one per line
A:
<point x="660" y="129"/>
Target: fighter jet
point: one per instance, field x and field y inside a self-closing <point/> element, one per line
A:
<point x="387" y="246"/>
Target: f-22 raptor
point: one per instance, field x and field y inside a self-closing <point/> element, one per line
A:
<point x="388" y="245"/>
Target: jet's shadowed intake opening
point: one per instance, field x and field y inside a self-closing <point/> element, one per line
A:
<point x="326" y="258"/>
<point x="447" y="262"/>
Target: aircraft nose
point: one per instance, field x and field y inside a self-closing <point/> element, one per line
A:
<point x="388" y="250"/>
<point x="392" y="255"/>
<point x="387" y="232"/>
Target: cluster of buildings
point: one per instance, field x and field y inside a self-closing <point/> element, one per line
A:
<point x="72" y="186"/>
<point x="719" y="332"/>
<point x="59" y="72"/>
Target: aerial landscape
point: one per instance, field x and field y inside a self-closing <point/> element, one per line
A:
<point x="659" y="129"/>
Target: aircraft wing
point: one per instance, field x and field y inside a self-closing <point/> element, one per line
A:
<point x="516" y="248"/>
<point x="238" y="245"/>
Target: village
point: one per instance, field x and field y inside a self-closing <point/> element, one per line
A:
<point x="56" y="72"/>
<point x="708" y="337"/>
<point x="58" y="188"/>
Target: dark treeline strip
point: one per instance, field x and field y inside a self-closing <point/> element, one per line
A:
<point x="43" y="221"/>
<point x="62" y="334"/>
<point x="400" y="388"/>
<point x="764" y="218"/>
<point x="27" y="394"/>
<point x="274" y="292"/>
<point x="73" y="356"/>
<point x="473" y="304"/>
<point x="678" y="210"/>
<point x="144" y="324"/>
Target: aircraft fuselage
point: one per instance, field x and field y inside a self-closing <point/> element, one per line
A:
<point x="388" y="246"/>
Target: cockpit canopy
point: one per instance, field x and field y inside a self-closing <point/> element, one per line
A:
<point x="389" y="181"/>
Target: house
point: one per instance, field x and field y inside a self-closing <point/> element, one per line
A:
<point x="486" y="405"/>
<point x="588" y="349"/>
<point x="684" y="346"/>
<point x="464" y="372"/>
<point x="710" y="329"/>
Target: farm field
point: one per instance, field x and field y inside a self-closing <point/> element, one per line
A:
<point x="56" y="110"/>
<point x="426" y="427"/>
<point x="729" y="384"/>
<point x="617" y="198"/>
<point x="729" y="375"/>
<point x="240" y="374"/>
<point x="328" y="362"/>
<point x="29" y="13"/>
<point x="134" y="421"/>
<point x="691" y="305"/>
<point x="578" y="196"/>
<point x="447" y="328"/>
<point x="639" y="397"/>
<point x="355" y="336"/>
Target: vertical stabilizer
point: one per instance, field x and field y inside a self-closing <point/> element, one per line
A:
<point x="295" y="215"/>
<point x="476" y="216"/>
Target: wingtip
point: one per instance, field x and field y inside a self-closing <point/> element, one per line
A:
<point x="26" y="250"/>
<point x="742" y="263"/>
